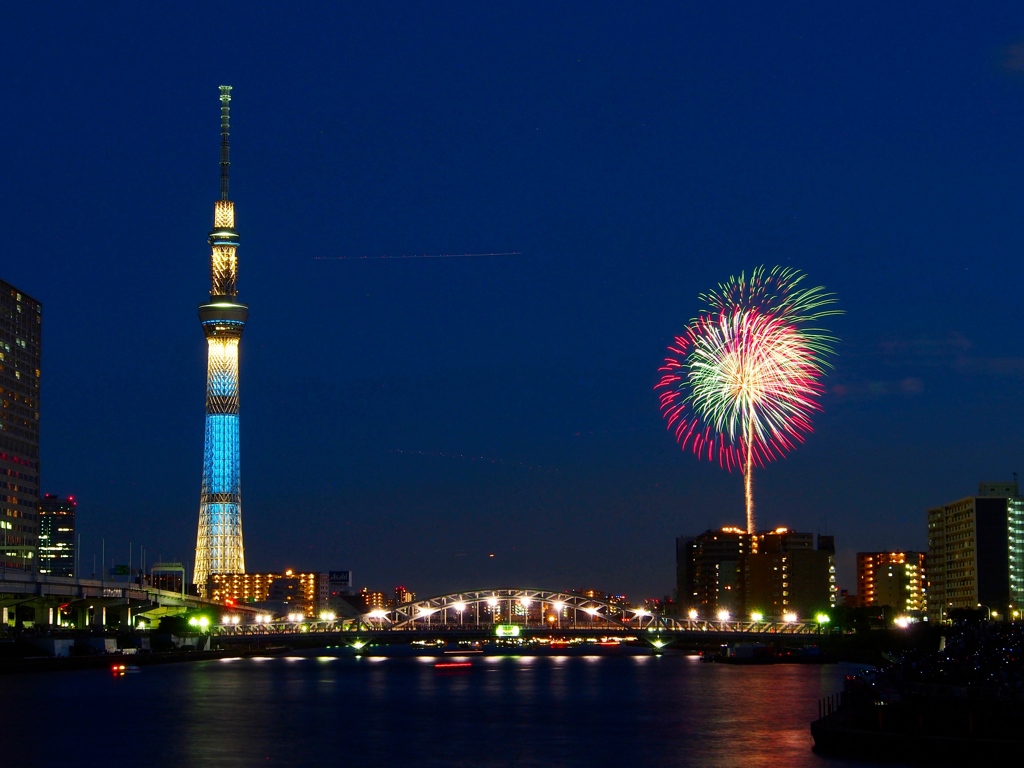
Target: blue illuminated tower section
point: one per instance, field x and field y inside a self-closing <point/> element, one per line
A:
<point x="219" y="543"/>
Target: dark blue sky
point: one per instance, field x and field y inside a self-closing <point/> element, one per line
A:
<point x="407" y="419"/>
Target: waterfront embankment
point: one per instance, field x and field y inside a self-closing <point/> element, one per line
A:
<point x="964" y="699"/>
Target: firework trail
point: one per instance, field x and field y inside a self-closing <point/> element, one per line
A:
<point x="740" y="384"/>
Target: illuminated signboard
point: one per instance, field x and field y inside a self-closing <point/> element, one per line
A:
<point x="507" y="630"/>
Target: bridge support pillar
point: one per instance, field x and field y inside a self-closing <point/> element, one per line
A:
<point x="119" y="616"/>
<point x="81" y="616"/>
<point x="42" y="615"/>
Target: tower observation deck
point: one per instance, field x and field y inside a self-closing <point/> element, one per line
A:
<point x="219" y="542"/>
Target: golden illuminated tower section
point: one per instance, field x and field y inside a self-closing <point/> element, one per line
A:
<point x="219" y="543"/>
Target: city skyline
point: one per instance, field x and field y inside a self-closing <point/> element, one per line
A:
<point x="460" y="423"/>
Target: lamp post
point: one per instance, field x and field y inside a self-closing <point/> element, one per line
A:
<point x="525" y="602"/>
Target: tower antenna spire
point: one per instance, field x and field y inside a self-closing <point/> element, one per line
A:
<point x="225" y="132"/>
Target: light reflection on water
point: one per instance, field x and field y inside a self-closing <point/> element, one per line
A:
<point x="521" y="711"/>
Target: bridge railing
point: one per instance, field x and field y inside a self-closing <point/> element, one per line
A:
<point x="372" y="626"/>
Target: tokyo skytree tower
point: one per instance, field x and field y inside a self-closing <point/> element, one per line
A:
<point x="219" y="543"/>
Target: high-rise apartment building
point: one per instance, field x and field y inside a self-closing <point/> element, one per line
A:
<point x="21" y="322"/>
<point x="976" y="553"/>
<point x="710" y="570"/>
<point x="57" y="535"/>
<point x="788" y="574"/>
<point x="303" y="592"/>
<point x="219" y="541"/>
<point x="895" y="579"/>
<point x="772" y="573"/>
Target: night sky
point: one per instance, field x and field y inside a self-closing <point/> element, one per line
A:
<point x="410" y="418"/>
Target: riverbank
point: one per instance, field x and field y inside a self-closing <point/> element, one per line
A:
<point x="965" y="699"/>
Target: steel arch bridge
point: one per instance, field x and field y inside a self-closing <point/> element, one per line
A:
<point x="527" y="607"/>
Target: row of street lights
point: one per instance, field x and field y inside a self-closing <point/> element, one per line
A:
<point x="757" y="617"/>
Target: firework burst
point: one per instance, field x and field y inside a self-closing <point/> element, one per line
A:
<point x="741" y="383"/>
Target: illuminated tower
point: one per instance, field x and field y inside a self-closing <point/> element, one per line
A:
<point x="219" y="543"/>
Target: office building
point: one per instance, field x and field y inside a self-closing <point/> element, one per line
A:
<point x="219" y="547"/>
<point x="976" y="553"/>
<point x="21" y="320"/>
<point x="57" y="536"/>
<point x="893" y="579"/>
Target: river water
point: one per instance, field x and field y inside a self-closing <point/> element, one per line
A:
<point x="667" y="710"/>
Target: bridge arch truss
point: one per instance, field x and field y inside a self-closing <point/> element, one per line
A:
<point x="526" y="607"/>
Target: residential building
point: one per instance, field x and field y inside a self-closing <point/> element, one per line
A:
<point x="710" y="570"/>
<point x="298" y="592"/>
<point x="976" y="553"/>
<point x="788" y="574"/>
<point x="895" y="579"/>
<point x="403" y="595"/>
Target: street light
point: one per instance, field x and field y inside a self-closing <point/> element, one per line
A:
<point x="460" y="607"/>
<point x="557" y="607"/>
<point x="822" y="618"/>
<point x="525" y="602"/>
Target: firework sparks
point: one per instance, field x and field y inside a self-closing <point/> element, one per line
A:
<point x="741" y="383"/>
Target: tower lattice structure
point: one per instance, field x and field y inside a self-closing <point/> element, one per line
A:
<point x="219" y="543"/>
